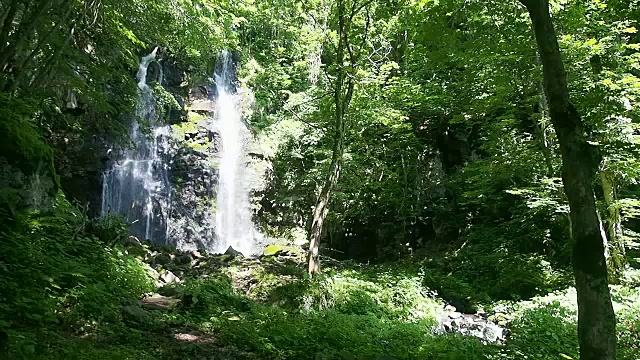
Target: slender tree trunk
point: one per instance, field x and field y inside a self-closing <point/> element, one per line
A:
<point x="6" y="27"/>
<point x="541" y="126"/>
<point x="341" y="99"/>
<point x="596" y="319"/>
<point x="315" y="57"/>
<point x="616" y="258"/>
<point x="28" y="23"/>
<point x="322" y="205"/>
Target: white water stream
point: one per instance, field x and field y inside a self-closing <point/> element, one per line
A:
<point x="234" y="224"/>
<point x="138" y="185"/>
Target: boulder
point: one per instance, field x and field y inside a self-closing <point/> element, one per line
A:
<point x="159" y="302"/>
<point x="169" y="278"/>
<point x="233" y="252"/>
<point x="133" y="241"/>
<point x="196" y="262"/>
<point x="470" y="325"/>
<point x="273" y="250"/>
<point x="162" y="259"/>
<point x="136" y="248"/>
<point x="183" y="259"/>
<point x="152" y="272"/>
<point x="202" y="105"/>
<point x="135" y="313"/>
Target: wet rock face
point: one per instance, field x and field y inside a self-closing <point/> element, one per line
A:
<point x="79" y="161"/>
<point x="195" y="159"/>
<point x="193" y="177"/>
<point x="451" y="321"/>
<point x="191" y="158"/>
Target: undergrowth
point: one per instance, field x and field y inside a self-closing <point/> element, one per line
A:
<point x="57" y="276"/>
<point x="347" y="319"/>
<point x="71" y="286"/>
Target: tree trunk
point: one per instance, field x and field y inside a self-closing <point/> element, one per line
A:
<point x="5" y="32"/>
<point x="341" y="100"/>
<point x="616" y="259"/>
<point x="542" y="125"/>
<point x="24" y="31"/>
<point x="322" y="205"/>
<point x="596" y="319"/>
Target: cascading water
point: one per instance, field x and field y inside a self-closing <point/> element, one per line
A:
<point x="234" y="224"/>
<point x="138" y="185"/>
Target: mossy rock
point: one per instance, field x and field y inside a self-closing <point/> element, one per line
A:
<point x="135" y="313"/>
<point x="162" y="259"/>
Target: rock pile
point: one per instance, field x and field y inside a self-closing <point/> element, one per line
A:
<point x="470" y="325"/>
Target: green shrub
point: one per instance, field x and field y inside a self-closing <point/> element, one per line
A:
<point x="53" y="268"/>
<point x="491" y="267"/>
<point x="276" y="334"/>
<point x="343" y="314"/>
<point x="203" y="298"/>
<point x="627" y="302"/>
<point x="20" y="139"/>
<point x="545" y="332"/>
<point x="111" y="229"/>
<point x="546" y="327"/>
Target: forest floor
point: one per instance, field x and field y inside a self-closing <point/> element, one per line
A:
<point x="231" y="307"/>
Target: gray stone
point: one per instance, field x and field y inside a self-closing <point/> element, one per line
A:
<point x="470" y="325"/>
<point x="169" y="278"/>
<point x="135" y="313"/>
<point x="233" y="252"/>
<point x="159" y="302"/>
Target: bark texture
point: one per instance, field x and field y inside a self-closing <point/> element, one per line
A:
<point x="343" y="92"/>
<point x="580" y="160"/>
<point x="616" y="258"/>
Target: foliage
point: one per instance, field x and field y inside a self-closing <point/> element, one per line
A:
<point x="21" y="142"/>
<point x="449" y="157"/>
<point x="165" y="101"/>
<point x="342" y="316"/>
<point x="545" y="327"/>
<point x="56" y="271"/>
<point x="111" y="229"/>
<point x="494" y="265"/>
<point x="548" y="331"/>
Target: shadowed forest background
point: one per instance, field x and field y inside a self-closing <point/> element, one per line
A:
<point x="405" y="172"/>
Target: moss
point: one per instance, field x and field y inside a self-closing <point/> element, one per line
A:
<point x="195" y="117"/>
<point x="165" y="101"/>
<point x="21" y="143"/>
<point x="190" y="133"/>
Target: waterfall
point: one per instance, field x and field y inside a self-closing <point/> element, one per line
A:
<point x="234" y="223"/>
<point x="137" y="186"/>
